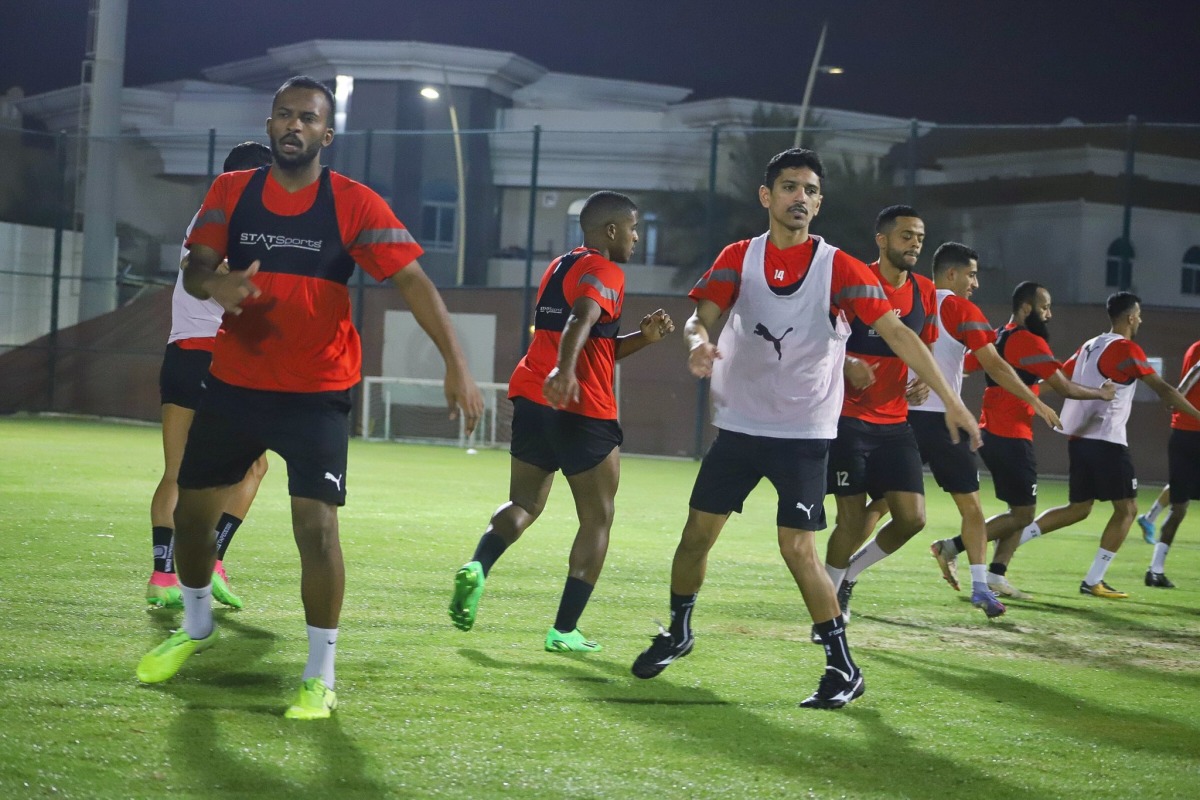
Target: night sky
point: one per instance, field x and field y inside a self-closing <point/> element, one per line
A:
<point x="947" y="61"/>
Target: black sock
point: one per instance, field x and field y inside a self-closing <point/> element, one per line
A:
<point x="837" y="651"/>
<point x="226" y="528"/>
<point x="681" y="615"/>
<point x="575" y="598"/>
<point x="164" y="548"/>
<point x="997" y="568"/>
<point x="491" y="546"/>
<point x="959" y="547"/>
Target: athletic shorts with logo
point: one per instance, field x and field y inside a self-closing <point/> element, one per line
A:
<point x="869" y="456"/>
<point x="736" y="462"/>
<point x="553" y="440"/>
<point x="1183" y="461"/>
<point x="234" y="426"/>
<point x="1013" y="465"/>
<point x="181" y="379"/>
<point x="1100" y="470"/>
<point x="953" y="465"/>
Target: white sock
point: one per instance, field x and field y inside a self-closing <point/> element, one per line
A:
<point x="979" y="574"/>
<point x="1153" y="513"/>
<point x="1159" y="562"/>
<point x="322" y="646"/>
<point x="870" y="554"/>
<point x="1099" y="566"/>
<point x="1032" y="531"/>
<point x="197" y="611"/>
<point x="835" y="576"/>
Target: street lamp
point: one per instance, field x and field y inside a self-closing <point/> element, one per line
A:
<point x="808" y="86"/>
<point x="460" y="213"/>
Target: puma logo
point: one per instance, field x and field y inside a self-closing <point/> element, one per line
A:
<point x="807" y="509"/>
<point x="336" y="481"/>
<point x="761" y="330"/>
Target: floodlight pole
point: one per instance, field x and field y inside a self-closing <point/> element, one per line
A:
<point x="808" y="86"/>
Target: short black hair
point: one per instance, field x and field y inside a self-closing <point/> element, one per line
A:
<point x="247" y="155"/>
<point x="792" y="158"/>
<point x="1120" y="303"/>
<point x="952" y="254"/>
<point x="887" y="218"/>
<point x="604" y="207"/>
<point x="1026" y="292"/>
<point x="305" y="82"/>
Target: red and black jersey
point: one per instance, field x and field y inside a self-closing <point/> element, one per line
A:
<point x="915" y="301"/>
<point x="1005" y="414"/>
<point x="581" y="273"/>
<point x="297" y="336"/>
<point x="1123" y="361"/>
<point x="1180" y="420"/>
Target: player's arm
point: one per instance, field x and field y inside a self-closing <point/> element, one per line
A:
<point x="908" y="346"/>
<point x="204" y="279"/>
<point x="430" y="312"/>
<point x="1002" y="373"/>
<point x="561" y="387"/>
<point x="1076" y="391"/>
<point x="1170" y="396"/>
<point x="858" y="373"/>
<point x="653" y="327"/>
<point x="1190" y="379"/>
<point x="701" y="352"/>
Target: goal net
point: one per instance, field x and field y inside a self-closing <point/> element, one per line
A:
<point x="414" y="410"/>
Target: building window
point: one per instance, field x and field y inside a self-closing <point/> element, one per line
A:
<point x="1190" y="275"/>
<point x="1115" y="273"/>
<point x="437" y="225"/>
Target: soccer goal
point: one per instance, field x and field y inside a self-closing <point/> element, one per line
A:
<point x="414" y="410"/>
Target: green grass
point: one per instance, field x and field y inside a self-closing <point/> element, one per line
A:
<point x="1065" y="697"/>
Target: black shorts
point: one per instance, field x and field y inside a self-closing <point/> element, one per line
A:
<point x="1183" y="460"/>
<point x="234" y="426"/>
<point x="867" y="456"/>
<point x="736" y="462"/>
<point x="554" y="440"/>
<point x="181" y="379"/>
<point x="1100" y="471"/>
<point x="953" y="465"/>
<point x="1013" y="466"/>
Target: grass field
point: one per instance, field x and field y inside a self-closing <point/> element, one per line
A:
<point x="1064" y="697"/>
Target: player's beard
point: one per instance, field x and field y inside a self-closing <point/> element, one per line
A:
<point x="294" y="161"/>
<point x="1038" y="326"/>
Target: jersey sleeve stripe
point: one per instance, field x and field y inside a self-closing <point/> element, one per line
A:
<point x="213" y="216"/>
<point x="1031" y="360"/>
<point x="720" y="276"/>
<point x="1132" y="362"/>
<point x="974" y="326"/>
<point x="611" y="295"/>
<point x="383" y="236"/>
<point x="858" y="293"/>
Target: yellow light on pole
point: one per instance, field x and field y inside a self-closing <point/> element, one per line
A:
<point x="460" y="213"/>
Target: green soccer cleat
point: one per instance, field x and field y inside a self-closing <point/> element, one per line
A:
<point x="573" y="642"/>
<point x="314" y="701"/>
<point x="165" y="660"/>
<point x="164" y="596"/>
<point x="468" y="589"/>
<point x="221" y="590"/>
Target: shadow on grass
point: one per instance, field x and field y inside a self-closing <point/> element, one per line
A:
<point x="1073" y="716"/>
<point x="853" y="750"/>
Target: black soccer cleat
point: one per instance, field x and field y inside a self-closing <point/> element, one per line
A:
<point x="836" y="689"/>
<point x="1158" y="579"/>
<point x="658" y="656"/>
<point x="843" y="596"/>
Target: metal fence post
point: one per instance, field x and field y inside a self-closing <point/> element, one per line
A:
<point x="1125" y="279"/>
<point x="910" y="179"/>
<point x="212" y="155"/>
<point x="710" y="221"/>
<point x="60" y="224"/>
<point x="527" y="289"/>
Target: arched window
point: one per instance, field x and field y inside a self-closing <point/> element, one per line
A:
<point x="1189" y="282"/>
<point x="1116" y="273"/>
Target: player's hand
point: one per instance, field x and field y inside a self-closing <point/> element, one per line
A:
<point x="231" y="289"/>
<point x="1047" y="413"/>
<point x="1108" y="390"/>
<point x="656" y="325"/>
<point x="959" y="419"/>
<point x="463" y="395"/>
<point x="701" y="358"/>
<point x="859" y="373"/>
<point x="222" y="268"/>
<point x="917" y="392"/>
<point x="560" y="388"/>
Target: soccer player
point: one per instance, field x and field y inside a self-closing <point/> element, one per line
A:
<point x="194" y="325"/>
<point x="1100" y="466"/>
<point x="1183" y="465"/>
<point x="777" y="394"/>
<point x="1008" y="431"/>
<point x="283" y="364"/>
<point x="565" y="414"/>
<point x="962" y="329"/>
<point x="1147" y="521"/>
<point x="875" y="448"/>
